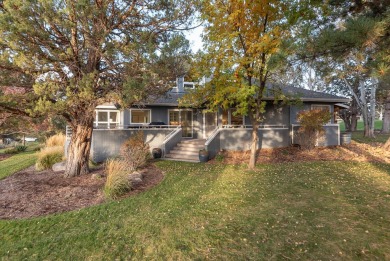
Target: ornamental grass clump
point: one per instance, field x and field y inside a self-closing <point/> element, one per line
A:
<point x="56" y="140"/>
<point x="311" y="130"/>
<point x="117" y="182"/>
<point x="135" y="152"/>
<point x="52" y="153"/>
<point x="48" y="156"/>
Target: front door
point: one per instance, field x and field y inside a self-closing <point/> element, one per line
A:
<point x="183" y="118"/>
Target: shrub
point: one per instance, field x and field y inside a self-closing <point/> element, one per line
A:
<point x="48" y="156"/>
<point x="56" y="140"/>
<point x="117" y="182"/>
<point x="21" y="148"/>
<point x="11" y="151"/>
<point x="135" y="152"/>
<point x="311" y="129"/>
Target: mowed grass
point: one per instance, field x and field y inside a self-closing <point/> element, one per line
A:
<point x="17" y="162"/>
<point x="360" y="125"/>
<point x="295" y="211"/>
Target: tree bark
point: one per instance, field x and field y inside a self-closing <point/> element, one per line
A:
<point x="79" y="149"/>
<point x="255" y="141"/>
<point x="354" y="113"/>
<point x="386" y="114"/>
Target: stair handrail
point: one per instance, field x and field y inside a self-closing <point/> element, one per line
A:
<point x="170" y="136"/>
<point x="213" y="134"/>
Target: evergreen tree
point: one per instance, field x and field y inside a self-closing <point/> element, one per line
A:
<point x="84" y="53"/>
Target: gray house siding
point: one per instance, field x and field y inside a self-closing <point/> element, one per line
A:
<point x="331" y="136"/>
<point x="107" y="143"/>
<point x="241" y="139"/>
<point x="295" y="109"/>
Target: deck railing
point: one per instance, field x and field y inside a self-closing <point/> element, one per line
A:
<point x="262" y="126"/>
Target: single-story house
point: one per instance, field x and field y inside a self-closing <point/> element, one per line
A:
<point x="181" y="132"/>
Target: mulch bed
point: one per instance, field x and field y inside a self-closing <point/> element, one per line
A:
<point x="29" y="193"/>
<point x="352" y="152"/>
<point x="4" y="156"/>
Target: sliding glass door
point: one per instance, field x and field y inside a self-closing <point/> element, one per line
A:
<point x="183" y="118"/>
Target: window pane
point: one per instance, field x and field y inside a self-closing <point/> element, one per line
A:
<point x="174" y="118"/>
<point x="140" y="116"/>
<point x="225" y="119"/>
<point x="236" y="119"/>
<point x="114" y="116"/>
<point x="103" y="116"/>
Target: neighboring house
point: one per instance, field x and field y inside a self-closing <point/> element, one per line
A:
<point x="181" y="132"/>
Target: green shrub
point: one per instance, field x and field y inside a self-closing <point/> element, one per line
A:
<point x="117" y="182"/>
<point x="135" y="152"/>
<point x="21" y="148"/>
<point x="48" y="156"/>
<point x="11" y="151"/>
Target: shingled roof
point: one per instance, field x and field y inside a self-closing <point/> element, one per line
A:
<point x="171" y="98"/>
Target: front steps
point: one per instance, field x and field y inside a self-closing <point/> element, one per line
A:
<point x="186" y="150"/>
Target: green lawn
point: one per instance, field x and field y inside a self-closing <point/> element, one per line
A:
<point x="16" y="162"/>
<point x="295" y="211"/>
<point x="360" y="125"/>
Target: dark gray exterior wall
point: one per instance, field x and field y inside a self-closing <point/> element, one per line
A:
<point x="274" y="115"/>
<point x="173" y="141"/>
<point x="295" y="109"/>
<point x="107" y="143"/>
<point x="240" y="139"/>
<point x="330" y="138"/>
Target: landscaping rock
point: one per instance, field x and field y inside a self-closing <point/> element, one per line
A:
<point x="136" y="178"/>
<point x="59" y="166"/>
<point x="97" y="176"/>
<point x="136" y="174"/>
<point x="136" y="181"/>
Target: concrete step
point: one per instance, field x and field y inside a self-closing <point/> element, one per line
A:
<point x="186" y="160"/>
<point x="188" y="148"/>
<point x="194" y="141"/>
<point x="182" y="152"/>
<point x="182" y="157"/>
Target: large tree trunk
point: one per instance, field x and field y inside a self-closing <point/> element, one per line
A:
<point x="354" y="113"/>
<point x="255" y="141"/>
<point x="386" y="114"/>
<point x="79" y="149"/>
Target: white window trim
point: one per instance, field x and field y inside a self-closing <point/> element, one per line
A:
<point x="150" y="117"/>
<point x="96" y="122"/>
<point x="324" y="105"/>
<point x="229" y="123"/>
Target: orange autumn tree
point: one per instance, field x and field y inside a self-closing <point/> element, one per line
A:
<point x="246" y="41"/>
<point x="312" y="126"/>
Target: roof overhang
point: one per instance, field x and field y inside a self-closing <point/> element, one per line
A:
<point x="338" y="100"/>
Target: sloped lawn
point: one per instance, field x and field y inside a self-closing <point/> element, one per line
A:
<point x="297" y="211"/>
<point x="17" y="162"/>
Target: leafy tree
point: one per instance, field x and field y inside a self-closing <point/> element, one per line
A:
<point x="353" y="44"/>
<point x="246" y="41"/>
<point x="83" y="53"/>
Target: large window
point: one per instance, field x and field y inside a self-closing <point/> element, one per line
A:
<point x="140" y="116"/>
<point x="106" y="119"/>
<point x="229" y="117"/>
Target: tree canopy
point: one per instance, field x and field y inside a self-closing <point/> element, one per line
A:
<point x="84" y="53"/>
